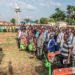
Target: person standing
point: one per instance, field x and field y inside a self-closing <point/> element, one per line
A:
<point x="60" y="38"/>
<point x="51" y="44"/>
<point x="40" y="42"/>
<point x="19" y="38"/>
<point x="66" y="51"/>
<point x="21" y="34"/>
<point x="73" y="51"/>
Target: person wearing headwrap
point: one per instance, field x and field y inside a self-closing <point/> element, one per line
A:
<point x="51" y="44"/>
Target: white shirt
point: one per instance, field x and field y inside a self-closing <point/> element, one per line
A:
<point x="74" y="45"/>
<point x="60" y="39"/>
<point x="49" y="36"/>
<point x="70" y="38"/>
<point x="19" y="33"/>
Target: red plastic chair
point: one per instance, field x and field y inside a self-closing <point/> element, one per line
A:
<point x="63" y="71"/>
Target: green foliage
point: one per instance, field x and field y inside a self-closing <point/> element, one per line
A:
<point x="58" y="15"/>
<point x="70" y="21"/>
<point x="27" y="20"/>
<point x="69" y="16"/>
<point x="44" y="21"/>
<point x="13" y="21"/>
<point x="70" y="9"/>
<point x="51" y="20"/>
<point x="36" y="21"/>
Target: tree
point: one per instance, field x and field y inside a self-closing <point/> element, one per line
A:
<point x="71" y="14"/>
<point x="70" y="9"/>
<point x="36" y="21"/>
<point x="51" y="20"/>
<point x="27" y="20"/>
<point x="58" y="15"/>
<point x="70" y="21"/>
<point x="44" y="21"/>
<point x="13" y="21"/>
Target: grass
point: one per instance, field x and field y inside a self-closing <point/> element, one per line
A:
<point x="21" y="60"/>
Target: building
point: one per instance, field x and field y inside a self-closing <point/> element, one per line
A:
<point x="51" y="23"/>
<point x="8" y="26"/>
<point x="61" y="24"/>
<point x="5" y="23"/>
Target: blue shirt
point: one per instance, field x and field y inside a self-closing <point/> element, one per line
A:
<point x="37" y="34"/>
<point x="51" y="45"/>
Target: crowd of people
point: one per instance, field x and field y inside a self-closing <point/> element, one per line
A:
<point x="49" y="39"/>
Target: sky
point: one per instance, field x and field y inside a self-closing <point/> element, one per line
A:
<point x="33" y="9"/>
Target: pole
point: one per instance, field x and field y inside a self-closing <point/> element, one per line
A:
<point x="18" y="18"/>
<point x="50" y="69"/>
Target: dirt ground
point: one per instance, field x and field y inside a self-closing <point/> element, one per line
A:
<point x="21" y="61"/>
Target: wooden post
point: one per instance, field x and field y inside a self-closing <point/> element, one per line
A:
<point x="10" y="68"/>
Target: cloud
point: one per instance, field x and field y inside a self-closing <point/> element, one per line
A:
<point x="56" y="4"/>
<point x="27" y="5"/>
<point x="43" y="4"/>
<point x="50" y="3"/>
<point x="21" y="4"/>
